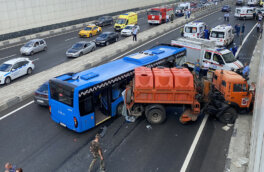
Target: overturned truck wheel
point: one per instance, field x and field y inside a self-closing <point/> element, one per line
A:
<point x="155" y="114"/>
<point x="229" y="116"/>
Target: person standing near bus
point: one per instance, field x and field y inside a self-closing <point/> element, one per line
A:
<point x="134" y="32"/>
<point x="96" y="150"/>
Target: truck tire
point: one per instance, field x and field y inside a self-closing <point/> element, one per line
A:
<point x="119" y="109"/>
<point x="229" y="116"/>
<point x="155" y="114"/>
<point x="128" y="96"/>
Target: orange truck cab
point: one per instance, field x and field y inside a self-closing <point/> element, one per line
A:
<point x="233" y="87"/>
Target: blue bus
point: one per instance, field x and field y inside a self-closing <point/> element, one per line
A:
<point x="81" y="101"/>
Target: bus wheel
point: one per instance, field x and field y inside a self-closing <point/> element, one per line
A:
<point x="155" y="114"/>
<point x="119" y="108"/>
<point x="229" y="116"/>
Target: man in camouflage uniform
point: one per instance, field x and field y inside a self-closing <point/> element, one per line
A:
<point x="97" y="153"/>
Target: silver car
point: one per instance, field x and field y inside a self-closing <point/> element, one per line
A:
<point x="80" y="48"/>
<point x="33" y="46"/>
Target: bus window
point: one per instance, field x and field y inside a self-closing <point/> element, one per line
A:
<point x="61" y="94"/>
<point x="117" y="89"/>
<point x="85" y="106"/>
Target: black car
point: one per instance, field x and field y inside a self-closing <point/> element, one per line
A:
<point x="41" y="95"/>
<point x="226" y="8"/>
<point x="104" y="20"/>
<point x="239" y="2"/>
<point x="106" y="38"/>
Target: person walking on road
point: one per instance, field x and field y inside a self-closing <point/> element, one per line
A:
<point x="260" y="32"/>
<point x="226" y="16"/>
<point x="258" y="27"/>
<point x="206" y="66"/>
<point x="9" y="167"/>
<point x="134" y="33"/>
<point x="182" y="31"/>
<point x="189" y="13"/>
<point x="96" y="150"/>
<point x="237" y="28"/>
<point x="242" y="32"/>
<point x="197" y="68"/>
<point x="167" y="18"/>
<point x="186" y="14"/>
<point x="246" y="70"/>
<point x="172" y="18"/>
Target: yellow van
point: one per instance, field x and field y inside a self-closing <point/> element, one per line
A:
<point x="125" y="19"/>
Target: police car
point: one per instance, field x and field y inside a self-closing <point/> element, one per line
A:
<point x="15" y="68"/>
<point x="222" y="35"/>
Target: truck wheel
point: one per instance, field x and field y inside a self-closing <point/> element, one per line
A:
<point x="155" y="114"/>
<point x="229" y="116"/>
<point x="119" y="108"/>
<point x="128" y="96"/>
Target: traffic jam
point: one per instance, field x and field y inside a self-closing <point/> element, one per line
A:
<point x="199" y="82"/>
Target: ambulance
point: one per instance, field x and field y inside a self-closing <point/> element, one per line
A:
<point x="244" y="12"/>
<point x="194" y="29"/>
<point x="205" y="50"/>
<point x="125" y="19"/>
<point x="222" y="35"/>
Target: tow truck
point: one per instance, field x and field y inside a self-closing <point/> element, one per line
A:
<point x="222" y="95"/>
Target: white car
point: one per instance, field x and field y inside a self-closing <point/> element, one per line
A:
<point x="15" y="68"/>
<point x="127" y="31"/>
<point x="33" y="46"/>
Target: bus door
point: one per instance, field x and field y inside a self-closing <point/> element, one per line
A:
<point x="117" y="99"/>
<point x="102" y="105"/>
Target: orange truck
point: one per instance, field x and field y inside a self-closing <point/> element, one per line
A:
<point x="154" y="89"/>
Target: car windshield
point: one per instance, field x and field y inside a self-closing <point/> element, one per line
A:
<point x="5" y="67"/>
<point x="77" y="46"/>
<point x="43" y="88"/>
<point x="215" y="34"/>
<point x="129" y="27"/>
<point x="104" y="35"/>
<point x="191" y="29"/>
<point x="154" y="13"/>
<point x="29" y="44"/>
<point x="88" y="28"/>
<point x="121" y="21"/>
<point x="229" y="57"/>
<point x="101" y="19"/>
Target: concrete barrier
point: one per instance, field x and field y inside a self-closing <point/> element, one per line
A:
<point x="27" y="86"/>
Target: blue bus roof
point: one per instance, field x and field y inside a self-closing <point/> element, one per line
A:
<point x="104" y="72"/>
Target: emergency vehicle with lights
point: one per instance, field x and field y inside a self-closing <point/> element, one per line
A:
<point x="222" y="35"/>
<point x="194" y="29"/>
<point x="244" y="12"/>
<point x="158" y="15"/>
<point x="206" y="50"/>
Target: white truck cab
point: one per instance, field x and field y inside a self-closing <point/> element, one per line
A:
<point x="205" y="50"/>
<point x="194" y="29"/>
<point x="244" y="12"/>
<point x="222" y="35"/>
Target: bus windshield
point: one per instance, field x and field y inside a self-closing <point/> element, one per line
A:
<point x="229" y="57"/>
<point x="61" y="93"/>
<point x="121" y="21"/>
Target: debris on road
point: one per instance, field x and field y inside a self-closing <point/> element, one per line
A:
<point x="226" y="127"/>
<point x="148" y="127"/>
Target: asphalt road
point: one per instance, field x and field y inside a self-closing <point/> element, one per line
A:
<point x="58" y="45"/>
<point x="30" y="139"/>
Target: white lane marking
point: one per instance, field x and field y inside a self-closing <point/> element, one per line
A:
<point x="70" y="38"/>
<point x="35" y="59"/>
<point x="158" y="37"/>
<point x="8" y="57"/>
<point x="244" y="40"/>
<point x="14" y="111"/>
<point x="194" y="144"/>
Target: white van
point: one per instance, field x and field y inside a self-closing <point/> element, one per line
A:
<point x="179" y="11"/>
<point x="222" y="35"/>
<point x="205" y="50"/>
<point x="244" y="12"/>
<point x="253" y="2"/>
<point x="194" y="29"/>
